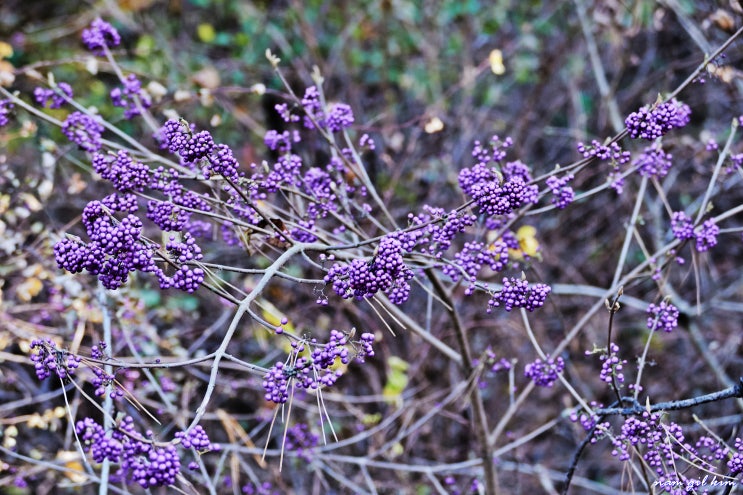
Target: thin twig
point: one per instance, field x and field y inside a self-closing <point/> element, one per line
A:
<point x="735" y="391"/>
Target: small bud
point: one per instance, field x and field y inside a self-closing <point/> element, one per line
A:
<point x="273" y="59"/>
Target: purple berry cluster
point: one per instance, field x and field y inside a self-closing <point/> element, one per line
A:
<point x="706" y="237"/>
<point x="651" y="123"/>
<point x="265" y="488"/>
<point x="184" y="253"/>
<point x="84" y="130"/>
<point x="662" y="444"/>
<point x="517" y="293"/>
<point x="495" y="152"/>
<point x="126" y="97"/>
<point x="735" y="464"/>
<point x="496" y="365"/>
<point x="613" y="152"/>
<point x="48" y="359"/>
<point x="140" y="461"/>
<point x="6" y="106"/>
<point x="433" y="231"/>
<point x="222" y="162"/>
<point x="385" y="272"/>
<point x="339" y="116"/>
<point x="497" y="192"/>
<point x="562" y="194"/>
<point x="115" y="250"/>
<point x="590" y="421"/>
<point x="474" y="255"/>
<point x="173" y="135"/>
<point x="197" y="439"/>
<point x="281" y="141"/>
<point x="682" y="226"/>
<point x="301" y="440"/>
<point x="100" y="35"/>
<point x="53" y="98"/>
<point x="664" y="316"/>
<point x="167" y="215"/>
<point x="103" y="380"/>
<point x="125" y="173"/>
<point x="198" y="150"/>
<point x="711" y="450"/>
<point x="494" y="198"/>
<point x="612" y="365"/>
<point x="314" y="371"/>
<point x="545" y="373"/>
<point x="653" y="162"/>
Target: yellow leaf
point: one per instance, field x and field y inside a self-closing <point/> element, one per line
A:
<point x="29" y="288"/>
<point x="397" y="379"/>
<point x="434" y="125"/>
<point x="205" y="32"/>
<point x="528" y="243"/>
<point x="6" y="51"/>
<point x="496" y="62"/>
<point x="75" y="471"/>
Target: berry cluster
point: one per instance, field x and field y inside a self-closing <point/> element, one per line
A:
<point x="475" y="255"/>
<point x="141" y="461"/>
<point x="494" y="198"/>
<point x="517" y="293"/>
<point x="735" y="464"/>
<point x="545" y="373"/>
<point x="340" y="116"/>
<point x="53" y="98"/>
<point x="6" y="106"/>
<point x="197" y="146"/>
<point x="84" y="130"/>
<point x="385" y="272"/>
<point x="613" y="152"/>
<point x="664" y="315"/>
<point x="116" y="248"/>
<point x="301" y="440"/>
<point x="662" y="443"/>
<point x="222" y="162"/>
<point x="612" y="365"/>
<point x="496" y="365"/>
<point x="48" y="359"/>
<point x="682" y="226"/>
<point x="711" y="450"/>
<point x="100" y="35"/>
<point x="126" y="97"/>
<point x="265" y="488"/>
<point x="706" y="238"/>
<point x="103" y="380"/>
<point x="562" y="194"/>
<point x="683" y="229"/>
<point x="167" y="215"/>
<point x="316" y="370"/>
<point x="197" y="439"/>
<point x="648" y="123"/>
<point x="590" y="421"/>
<point x="435" y="230"/>
<point x="125" y="173"/>
<point x="653" y="162"/>
<point x="173" y="135"/>
<point x="183" y="253"/>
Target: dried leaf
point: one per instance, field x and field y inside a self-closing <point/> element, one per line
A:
<point x="434" y="125"/>
<point x="496" y="62"/>
<point x="723" y="19"/>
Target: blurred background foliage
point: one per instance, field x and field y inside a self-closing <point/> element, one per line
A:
<point x="474" y="68"/>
